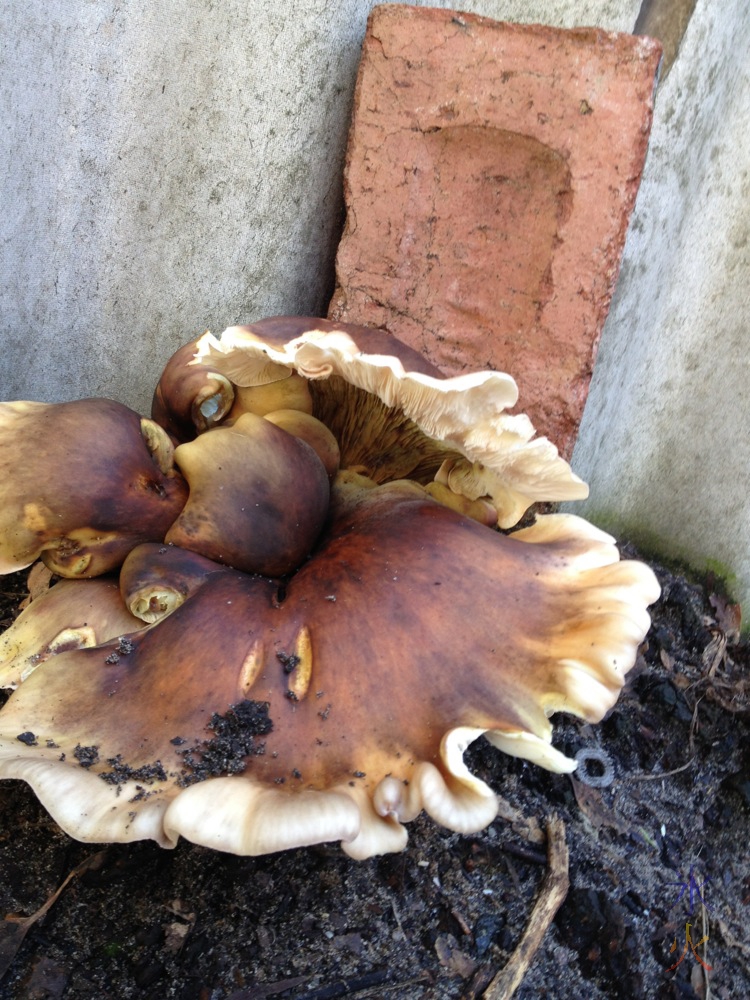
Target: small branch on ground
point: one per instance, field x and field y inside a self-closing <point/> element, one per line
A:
<point x="551" y="895"/>
<point x="13" y="930"/>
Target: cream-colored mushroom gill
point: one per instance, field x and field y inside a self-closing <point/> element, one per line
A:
<point x="478" y="449"/>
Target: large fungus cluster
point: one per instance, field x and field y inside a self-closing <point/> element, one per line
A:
<point x="295" y="595"/>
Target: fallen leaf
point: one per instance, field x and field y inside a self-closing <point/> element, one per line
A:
<point x="592" y="806"/>
<point x="38" y="582"/>
<point x="457" y="962"/>
<point x="728" y="616"/>
<point x="525" y="826"/>
<point x="174" y="936"/>
<point x="14" y="929"/>
<point x="667" y="661"/>
<point x="48" y="980"/>
<point x="714" y="653"/>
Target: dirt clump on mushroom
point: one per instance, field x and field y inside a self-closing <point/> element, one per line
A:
<point x="234" y="740"/>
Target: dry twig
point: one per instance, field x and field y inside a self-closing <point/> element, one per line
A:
<point x="661" y="774"/>
<point x="552" y="893"/>
<point x="14" y="929"/>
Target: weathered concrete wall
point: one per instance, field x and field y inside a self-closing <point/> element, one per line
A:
<point x="174" y="166"/>
<point x="665" y="438"/>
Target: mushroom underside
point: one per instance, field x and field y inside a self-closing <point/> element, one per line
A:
<point x="391" y="422"/>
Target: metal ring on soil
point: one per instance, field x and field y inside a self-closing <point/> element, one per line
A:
<point x="601" y="757"/>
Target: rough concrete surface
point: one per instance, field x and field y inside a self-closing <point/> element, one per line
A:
<point x="665" y="438"/>
<point x="170" y="167"/>
<point x="490" y="175"/>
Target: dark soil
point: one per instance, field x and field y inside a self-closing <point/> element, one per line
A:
<point x="658" y="838"/>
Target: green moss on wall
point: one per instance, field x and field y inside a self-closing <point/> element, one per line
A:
<point x="652" y="545"/>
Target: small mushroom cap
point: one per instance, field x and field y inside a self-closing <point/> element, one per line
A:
<point x="156" y="579"/>
<point x="190" y="399"/>
<point x="258" y="497"/>
<point x="312" y="718"/>
<point x="395" y="421"/>
<point x="85" y="482"/>
<point x="314" y="432"/>
<point x="70" y="615"/>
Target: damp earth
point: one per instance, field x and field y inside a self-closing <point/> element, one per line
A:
<point x="659" y="867"/>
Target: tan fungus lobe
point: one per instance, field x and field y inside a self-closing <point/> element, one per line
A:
<point x="74" y="614"/>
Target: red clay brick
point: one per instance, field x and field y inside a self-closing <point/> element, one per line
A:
<point x="491" y="172"/>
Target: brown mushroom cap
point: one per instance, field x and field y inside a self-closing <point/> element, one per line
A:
<point x="86" y="481"/>
<point x="258" y="497"/>
<point x="344" y="710"/>
<point x="190" y="399"/>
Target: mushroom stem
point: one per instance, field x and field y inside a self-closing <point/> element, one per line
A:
<point x="190" y="399"/>
<point x="156" y="579"/>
